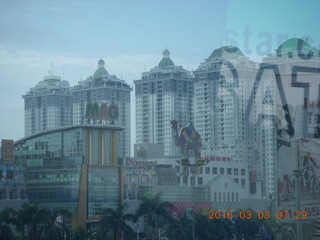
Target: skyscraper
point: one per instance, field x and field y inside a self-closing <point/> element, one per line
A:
<point x="222" y="89"/>
<point x="162" y="94"/>
<point x="104" y="88"/>
<point x="48" y="105"/>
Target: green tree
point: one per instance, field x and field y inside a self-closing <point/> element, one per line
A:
<point x="53" y="229"/>
<point x="32" y="216"/>
<point x="204" y="227"/>
<point x="208" y="229"/>
<point x="79" y="233"/>
<point x="246" y="228"/>
<point x="40" y="222"/>
<point x="180" y="229"/>
<point x="223" y="228"/>
<point x="6" y="219"/>
<point x="153" y="208"/>
<point x="116" y="221"/>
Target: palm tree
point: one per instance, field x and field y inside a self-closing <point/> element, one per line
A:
<point x="223" y="228"/>
<point x="53" y="229"/>
<point x="32" y="216"/>
<point x="246" y="228"/>
<point x="180" y="229"/>
<point x="79" y="233"/>
<point x="204" y="228"/>
<point x="116" y="221"/>
<point x="209" y="229"/>
<point x="152" y="207"/>
<point x="6" y="218"/>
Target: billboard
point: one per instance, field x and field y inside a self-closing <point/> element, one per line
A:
<point x="101" y="111"/>
<point x="7" y="150"/>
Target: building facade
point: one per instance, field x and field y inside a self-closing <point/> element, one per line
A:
<point x="222" y="90"/>
<point x="73" y="168"/>
<point x="48" y="105"/>
<point x="291" y="111"/>
<point x="163" y="94"/>
<point x="104" y="88"/>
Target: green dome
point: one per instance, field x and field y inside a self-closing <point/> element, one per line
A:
<point x="101" y="69"/>
<point x="293" y="44"/>
<point x="51" y="79"/>
<point x="165" y="61"/>
<point x="225" y="52"/>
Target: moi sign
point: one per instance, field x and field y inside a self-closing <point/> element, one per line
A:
<point x="101" y="111"/>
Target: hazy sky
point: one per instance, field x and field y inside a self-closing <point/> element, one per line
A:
<point x="130" y="36"/>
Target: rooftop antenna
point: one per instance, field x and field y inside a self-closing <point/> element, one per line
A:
<point x="226" y="38"/>
<point x="144" y="67"/>
<point x="52" y="67"/>
<point x="63" y="72"/>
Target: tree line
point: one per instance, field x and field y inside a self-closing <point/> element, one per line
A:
<point x="34" y="223"/>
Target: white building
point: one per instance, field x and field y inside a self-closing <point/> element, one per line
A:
<point x="163" y="94"/>
<point x="104" y="88"/>
<point x="222" y="90"/>
<point x="48" y="105"/>
<point x="230" y="185"/>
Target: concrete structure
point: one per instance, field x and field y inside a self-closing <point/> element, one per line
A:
<point x="73" y="168"/>
<point x="162" y="94"/>
<point x="104" y="88"/>
<point x="48" y="105"/>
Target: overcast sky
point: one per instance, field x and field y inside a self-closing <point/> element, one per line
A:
<point x="130" y="36"/>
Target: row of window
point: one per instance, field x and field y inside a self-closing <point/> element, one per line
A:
<point x="214" y="170"/>
<point x="226" y="197"/>
<point x="185" y="181"/>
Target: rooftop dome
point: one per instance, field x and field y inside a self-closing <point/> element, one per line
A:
<point x="101" y="62"/>
<point x="165" y="61"/>
<point x="225" y="52"/>
<point x="52" y="78"/>
<point x="101" y="69"/>
<point x="293" y="45"/>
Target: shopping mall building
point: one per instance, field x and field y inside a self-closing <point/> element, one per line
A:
<point x="73" y="168"/>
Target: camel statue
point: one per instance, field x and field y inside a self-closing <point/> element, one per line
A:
<point x="188" y="139"/>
